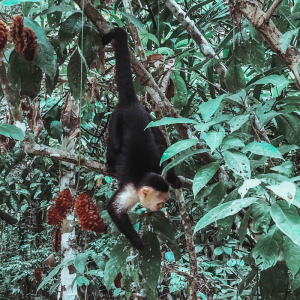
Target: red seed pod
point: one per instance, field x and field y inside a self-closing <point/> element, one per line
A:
<point x="38" y="275"/>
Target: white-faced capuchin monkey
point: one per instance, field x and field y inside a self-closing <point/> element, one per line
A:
<point x="133" y="153"/>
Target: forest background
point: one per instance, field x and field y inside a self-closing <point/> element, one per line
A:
<point x="221" y="79"/>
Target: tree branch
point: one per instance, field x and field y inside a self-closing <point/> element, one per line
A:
<point x="189" y="25"/>
<point x="256" y="16"/>
<point x="271" y="9"/>
<point x="8" y="218"/>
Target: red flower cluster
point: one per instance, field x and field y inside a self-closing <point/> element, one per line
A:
<point x="24" y="39"/>
<point x="60" y="208"/>
<point x="88" y="214"/>
<point x="3" y="35"/>
<point x="57" y="240"/>
<point x="117" y="281"/>
<point x="38" y="274"/>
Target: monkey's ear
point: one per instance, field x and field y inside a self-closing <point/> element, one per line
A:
<point x="144" y="191"/>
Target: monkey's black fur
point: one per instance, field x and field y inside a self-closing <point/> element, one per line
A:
<point x="133" y="153"/>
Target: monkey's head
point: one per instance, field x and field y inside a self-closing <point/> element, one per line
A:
<point x="153" y="191"/>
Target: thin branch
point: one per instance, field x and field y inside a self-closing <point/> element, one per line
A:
<point x="271" y="9"/>
<point x="189" y="25"/>
<point x="8" y="218"/>
<point x="151" y="14"/>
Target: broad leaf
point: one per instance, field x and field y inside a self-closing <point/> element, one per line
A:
<point x="287" y="220"/>
<point x="238" y="121"/>
<point x="180" y="93"/>
<point x="80" y="262"/>
<point x="205" y="126"/>
<point x="178" y="147"/>
<point x="224" y="210"/>
<point x="204" y="174"/>
<point x="150" y="259"/>
<point x="214" y="139"/>
<point x="11" y="131"/>
<point x="82" y="280"/>
<point x="248" y="184"/>
<point x="169" y="121"/>
<point x="133" y="20"/>
<point x="276" y="80"/>
<point x="207" y="109"/>
<point x="235" y="78"/>
<point x="291" y="255"/>
<point x="14" y="2"/>
<point x="285" y="190"/>
<point x="263" y="148"/>
<point x="286" y="39"/>
<point x="217" y="194"/>
<point x="238" y="162"/>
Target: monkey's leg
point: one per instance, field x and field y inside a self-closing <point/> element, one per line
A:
<point x="117" y="208"/>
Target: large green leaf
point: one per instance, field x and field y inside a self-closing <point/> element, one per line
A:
<point x="268" y="247"/>
<point x="150" y="259"/>
<point x="178" y="147"/>
<point x="238" y="162"/>
<point x="214" y="139"/>
<point x="286" y="38"/>
<point x="203" y="175"/>
<point x="11" y="131"/>
<point x="180" y="93"/>
<point x="287" y="219"/>
<point x="285" y="190"/>
<point x="46" y="58"/>
<point x="276" y="80"/>
<point x="263" y="148"/>
<point x="235" y="78"/>
<point x="289" y="126"/>
<point x="118" y="256"/>
<point x="238" y="121"/>
<point x="207" y="109"/>
<point x="91" y="42"/>
<point x="133" y="20"/>
<point x="291" y="255"/>
<point x="182" y="157"/>
<point x="69" y="28"/>
<point x="257" y="56"/>
<point x="80" y="262"/>
<point x="248" y="184"/>
<point x="205" y="126"/>
<point x="217" y="194"/>
<point x="169" y="121"/>
<point x="224" y="210"/>
<point x="14" y="2"/>
<point x="57" y="8"/>
<point x="74" y="75"/>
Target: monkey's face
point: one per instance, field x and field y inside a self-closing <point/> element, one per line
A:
<point x="152" y="199"/>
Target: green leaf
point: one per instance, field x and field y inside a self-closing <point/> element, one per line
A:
<point x="132" y="19"/>
<point x="82" y="280"/>
<point x="214" y="139"/>
<point x="207" y="109"/>
<point x="235" y="78"/>
<point x="276" y="80"/>
<point x="74" y="75"/>
<point x="43" y="203"/>
<point x="91" y="43"/>
<point x="149" y="36"/>
<point x="217" y="194"/>
<point x="180" y="93"/>
<point x="231" y="142"/>
<point x="205" y="126"/>
<point x="238" y="121"/>
<point x="268" y="248"/>
<point x="170" y="257"/>
<point x="57" y="8"/>
<point x="224" y="210"/>
<point x="286" y="39"/>
<point x="56" y="130"/>
<point x="47" y="57"/>
<point x="80" y="262"/>
<point x="247" y="280"/>
<point x="248" y="184"/>
<point x="287" y="219"/>
<point x="69" y="28"/>
<point x="203" y="175"/>
<point x="178" y="147"/>
<point x="117" y="260"/>
<point x="12" y="131"/>
<point x="238" y="162"/>
<point x="14" y="2"/>
<point x="263" y="148"/>
<point x="291" y="255"/>
<point x="182" y="157"/>
<point x="244" y="226"/>
<point x="257" y="56"/>
<point x="285" y="190"/>
<point x="169" y="121"/>
<point x="289" y="126"/>
<point x="150" y="259"/>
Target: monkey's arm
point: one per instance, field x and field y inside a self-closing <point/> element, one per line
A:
<point x="161" y="143"/>
<point x="117" y="209"/>
<point x="114" y="142"/>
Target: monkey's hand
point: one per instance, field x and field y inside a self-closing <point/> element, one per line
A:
<point x="173" y="180"/>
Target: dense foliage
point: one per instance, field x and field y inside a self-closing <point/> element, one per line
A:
<point x="244" y="204"/>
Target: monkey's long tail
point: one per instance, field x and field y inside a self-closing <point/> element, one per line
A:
<point x="123" y="70"/>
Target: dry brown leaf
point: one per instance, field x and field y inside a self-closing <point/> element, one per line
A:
<point x="6" y="143"/>
<point x="50" y="261"/>
<point x="38" y="275"/>
<point x="73" y="135"/>
<point x="72" y="269"/>
<point x="69" y="115"/>
<point x="101" y="53"/>
<point x="170" y="89"/>
<point x="154" y="57"/>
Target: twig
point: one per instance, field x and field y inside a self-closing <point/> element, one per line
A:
<point x="151" y="14"/>
<point x="271" y="9"/>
